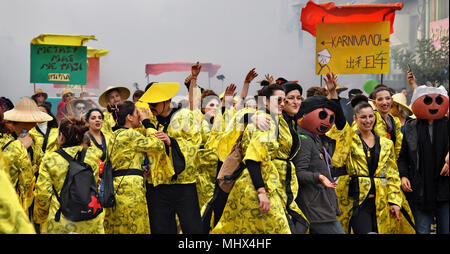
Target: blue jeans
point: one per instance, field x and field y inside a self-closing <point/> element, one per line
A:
<point x="333" y="227"/>
<point x="424" y="219"/>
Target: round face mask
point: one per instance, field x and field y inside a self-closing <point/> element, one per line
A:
<point x="318" y="121"/>
<point x="430" y="106"/>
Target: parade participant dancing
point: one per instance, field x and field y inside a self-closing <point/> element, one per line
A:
<point x="369" y="196"/>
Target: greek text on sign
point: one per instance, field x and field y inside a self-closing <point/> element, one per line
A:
<point x="58" y="64"/>
<point x="352" y="48"/>
<point x="59" y="77"/>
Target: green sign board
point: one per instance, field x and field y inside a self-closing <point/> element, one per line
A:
<point x="58" y="64"/>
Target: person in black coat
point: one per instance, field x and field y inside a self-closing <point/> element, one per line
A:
<point x="423" y="159"/>
<point x="317" y="197"/>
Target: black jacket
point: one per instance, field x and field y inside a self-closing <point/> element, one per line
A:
<point x="408" y="161"/>
<point x="318" y="202"/>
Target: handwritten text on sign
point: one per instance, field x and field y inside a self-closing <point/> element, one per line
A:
<point x="352" y="48"/>
<point x="58" y="64"/>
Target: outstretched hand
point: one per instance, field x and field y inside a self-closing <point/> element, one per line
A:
<point x="250" y="76"/>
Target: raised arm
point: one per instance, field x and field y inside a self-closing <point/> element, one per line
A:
<point x="195" y="70"/>
<point x="248" y="79"/>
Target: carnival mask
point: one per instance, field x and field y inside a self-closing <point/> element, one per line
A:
<point x="318" y="121"/>
<point x="429" y="103"/>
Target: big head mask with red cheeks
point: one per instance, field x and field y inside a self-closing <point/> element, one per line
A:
<point x="318" y="121"/>
<point x="429" y="103"/>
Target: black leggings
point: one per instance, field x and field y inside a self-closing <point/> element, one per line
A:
<point x="164" y="201"/>
<point x="366" y="219"/>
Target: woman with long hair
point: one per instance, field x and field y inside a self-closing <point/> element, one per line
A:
<point x="385" y="124"/>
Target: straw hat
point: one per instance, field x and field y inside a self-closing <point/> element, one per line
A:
<point x="160" y="91"/>
<point x="400" y="99"/>
<point x="67" y="91"/>
<point x="26" y="111"/>
<point x="123" y="91"/>
<point x="39" y="91"/>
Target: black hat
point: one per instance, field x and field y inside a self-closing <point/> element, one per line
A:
<point x="314" y="102"/>
<point x="289" y="86"/>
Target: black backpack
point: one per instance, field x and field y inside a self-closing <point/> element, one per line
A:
<point x="79" y="195"/>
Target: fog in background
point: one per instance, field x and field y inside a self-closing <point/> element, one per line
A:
<point x="236" y="34"/>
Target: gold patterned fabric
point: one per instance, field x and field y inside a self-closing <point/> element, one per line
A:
<point x="130" y="214"/>
<point x="108" y="123"/>
<point x="22" y="170"/>
<point x="282" y="158"/>
<point x="52" y="174"/>
<point x="185" y="128"/>
<point x="241" y="214"/>
<point x="207" y="158"/>
<point x="13" y="219"/>
<point x="52" y="142"/>
<point x="350" y="152"/>
<point x="381" y="129"/>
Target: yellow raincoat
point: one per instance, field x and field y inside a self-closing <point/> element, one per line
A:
<point x="130" y="214"/>
<point x="52" y="173"/>
<point x="241" y="214"/>
<point x="108" y="123"/>
<point x="22" y="170"/>
<point x="185" y="128"/>
<point x="282" y="157"/>
<point x="207" y="158"/>
<point x="15" y="220"/>
<point x="349" y="152"/>
<point x="380" y="128"/>
<point x="52" y="142"/>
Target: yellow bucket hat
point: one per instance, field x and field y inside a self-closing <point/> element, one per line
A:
<point x="160" y="91"/>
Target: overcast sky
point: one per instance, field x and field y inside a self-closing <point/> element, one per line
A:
<point x="236" y="34"/>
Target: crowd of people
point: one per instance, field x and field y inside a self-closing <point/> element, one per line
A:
<point x="277" y="162"/>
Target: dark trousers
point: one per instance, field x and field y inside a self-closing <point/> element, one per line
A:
<point x="164" y="201"/>
<point x="366" y="219"/>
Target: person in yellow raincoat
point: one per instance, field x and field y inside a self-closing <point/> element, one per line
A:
<point x="16" y="221"/>
<point x="386" y="125"/>
<point x="369" y="196"/>
<point x="94" y="137"/>
<point x="211" y="119"/>
<point x="46" y="132"/>
<point x="129" y="215"/>
<point x="52" y="174"/>
<point x="255" y="204"/>
<point x="22" y="152"/>
<point x="109" y="99"/>
<point x="175" y="196"/>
